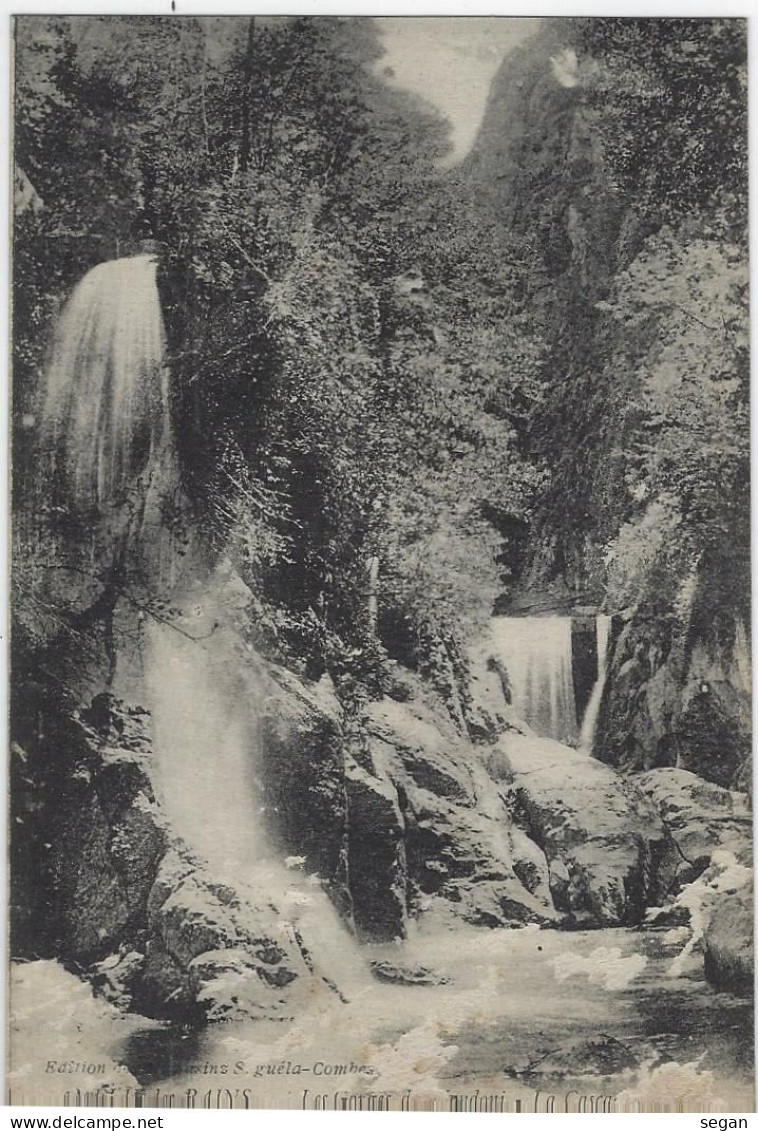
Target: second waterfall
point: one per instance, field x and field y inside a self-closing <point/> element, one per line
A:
<point x="536" y="654"/>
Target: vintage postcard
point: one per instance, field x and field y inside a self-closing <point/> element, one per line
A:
<point x="381" y="679"/>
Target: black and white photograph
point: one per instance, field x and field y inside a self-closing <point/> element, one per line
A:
<point x="380" y="616"/>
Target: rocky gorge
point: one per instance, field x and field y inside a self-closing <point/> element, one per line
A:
<point x="381" y="678"/>
<point x="405" y="822"/>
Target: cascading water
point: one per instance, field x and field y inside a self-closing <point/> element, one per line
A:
<point x="589" y="723"/>
<point x="105" y="418"/>
<point x="107" y="442"/>
<point x="536" y="654"/>
<point x="203" y="691"/>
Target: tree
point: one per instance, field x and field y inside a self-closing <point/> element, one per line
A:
<point x="337" y="361"/>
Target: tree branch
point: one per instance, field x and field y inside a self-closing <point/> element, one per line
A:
<point x="251" y="262"/>
<point x="115" y="591"/>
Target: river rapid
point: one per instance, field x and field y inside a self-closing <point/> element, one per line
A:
<point x="521" y="1018"/>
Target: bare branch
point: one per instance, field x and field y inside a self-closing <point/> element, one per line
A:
<point x="251" y="262"/>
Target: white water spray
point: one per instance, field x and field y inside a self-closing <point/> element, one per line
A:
<point x="105" y="417"/>
<point x="589" y="723"/>
<point x="536" y="652"/>
<point x="205" y="689"/>
<point x="106" y="438"/>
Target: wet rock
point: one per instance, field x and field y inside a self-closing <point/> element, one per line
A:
<point x="673" y="915"/>
<point x="121" y="776"/>
<point x="728" y="942"/>
<point x="214" y="940"/>
<point x="686" y="704"/>
<point x="126" y="899"/>
<point x="714" y="729"/>
<point x="598" y="1056"/>
<point x="103" y="715"/>
<point x="407" y="975"/>
<point x="115" y="977"/>
<point x="163" y="988"/>
<point x="174" y="867"/>
<point x="91" y="902"/>
<point x="432" y="756"/>
<point x="601" y="837"/>
<point x="530" y="864"/>
<point x="701" y="818"/>
<point x="584" y="658"/>
<point x="227" y="986"/>
<point x="398" y="817"/>
<point x="138" y="844"/>
<point x="714" y="905"/>
<point x="400" y="685"/>
<point x="303" y="774"/>
<point x="376" y="861"/>
<point x="463" y="857"/>
<point x="192" y="920"/>
<point x="458" y="849"/>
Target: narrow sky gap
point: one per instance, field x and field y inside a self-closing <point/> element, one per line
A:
<point x="451" y="63"/>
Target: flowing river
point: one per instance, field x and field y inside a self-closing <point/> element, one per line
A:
<point x="523" y="1015"/>
<point x="471" y="1019"/>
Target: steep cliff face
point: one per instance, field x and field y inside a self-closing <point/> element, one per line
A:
<point x="103" y="883"/>
<point x="640" y="427"/>
<point x="538" y="165"/>
<point x="684" y="704"/>
<point x="394" y="813"/>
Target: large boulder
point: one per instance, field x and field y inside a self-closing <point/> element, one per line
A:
<point x="701" y="818"/>
<point x="601" y="837"/>
<point x="460" y="857"/>
<point x="728" y="941"/>
<point x="113" y="890"/>
<point x="219" y="943"/>
<point x="713" y="921"/>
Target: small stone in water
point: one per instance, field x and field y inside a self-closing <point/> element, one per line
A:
<point x="407" y="975"/>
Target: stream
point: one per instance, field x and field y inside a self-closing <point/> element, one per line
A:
<point x="522" y="1016"/>
<point x="503" y="1017"/>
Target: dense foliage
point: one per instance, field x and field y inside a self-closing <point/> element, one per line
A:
<point x="398" y="387"/>
<point x="624" y="167"/>
<point x="344" y="371"/>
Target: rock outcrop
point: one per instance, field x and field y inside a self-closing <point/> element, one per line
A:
<point x="460" y="858"/>
<point x="601" y="837"/>
<point x="395" y="812"/>
<point x="302" y="770"/>
<point x="107" y="888"/>
<point x="728" y="942"/>
<point x="667" y="706"/>
<point x="712" y="919"/>
<point x="700" y="817"/>
<point x="706" y="888"/>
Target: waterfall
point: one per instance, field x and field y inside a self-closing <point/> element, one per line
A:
<point x="589" y="723"/>
<point x="203" y="692"/>
<point x="105" y="417"/>
<point x="108" y="457"/>
<point x="536" y="654"/>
